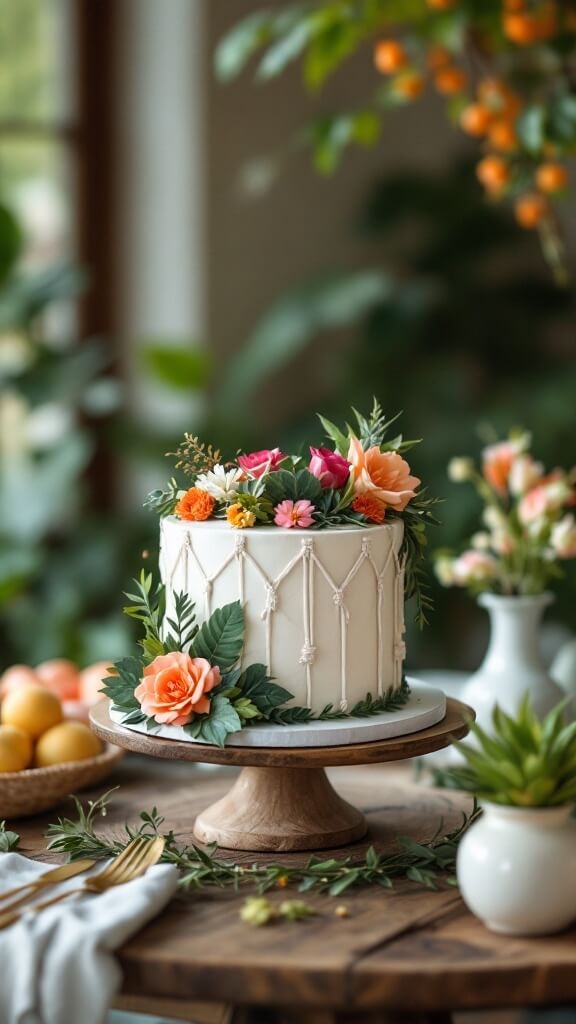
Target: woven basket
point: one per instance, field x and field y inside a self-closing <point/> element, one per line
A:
<point x="38" y="789"/>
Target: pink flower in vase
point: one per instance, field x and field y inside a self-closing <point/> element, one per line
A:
<point x="257" y="463"/>
<point x="294" y="513"/>
<point x="330" y="468"/>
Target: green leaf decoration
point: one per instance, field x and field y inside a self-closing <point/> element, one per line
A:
<point x="216" y="727"/>
<point x="162" y="502"/>
<point x="8" y="840"/>
<point x="148" y="608"/>
<point x="183" y="627"/>
<point x="256" y="685"/>
<point x="120" y="687"/>
<point x="220" y="639"/>
<point x="299" y="486"/>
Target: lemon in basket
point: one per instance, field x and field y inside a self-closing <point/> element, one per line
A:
<point x="15" y="749"/>
<point x="69" y="741"/>
<point x="32" y="708"/>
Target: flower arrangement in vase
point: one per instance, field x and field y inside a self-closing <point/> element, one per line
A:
<point x="516" y="866"/>
<point x="529" y="530"/>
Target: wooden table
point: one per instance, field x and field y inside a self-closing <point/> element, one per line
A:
<point x="410" y="955"/>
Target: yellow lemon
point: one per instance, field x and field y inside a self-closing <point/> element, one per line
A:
<point x="31" y="708"/>
<point x="15" y="749"/>
<point x="69" y="741"/>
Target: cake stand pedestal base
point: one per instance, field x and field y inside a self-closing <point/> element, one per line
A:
<point x="282" y="799"/>
<point x="281" y="809"/>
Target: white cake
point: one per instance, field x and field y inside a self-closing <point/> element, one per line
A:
<point x="324" y="609"/>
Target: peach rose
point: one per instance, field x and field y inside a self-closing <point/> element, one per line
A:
<point x="174" y="688"/>
<point x="385" y="476"/>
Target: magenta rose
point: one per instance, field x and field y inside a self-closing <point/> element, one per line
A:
<point x="257" y="463"/>
<point x="331" y="469"/>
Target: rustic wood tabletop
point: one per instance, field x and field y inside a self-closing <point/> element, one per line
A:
<point x="407" y="955"/>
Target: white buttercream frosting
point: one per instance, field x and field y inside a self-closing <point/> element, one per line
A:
<point x="324" y="609"/>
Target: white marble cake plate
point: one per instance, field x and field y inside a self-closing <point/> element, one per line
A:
<point x="425" y="708"/>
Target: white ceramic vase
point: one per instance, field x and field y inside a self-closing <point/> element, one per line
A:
<point x="516" y="869"/>
<point x="513" y="664"/>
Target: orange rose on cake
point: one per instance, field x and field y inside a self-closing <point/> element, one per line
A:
<point x="174" y="688"/>
<point x="384" y="476"/>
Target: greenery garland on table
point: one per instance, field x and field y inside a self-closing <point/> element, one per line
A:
<point x="241" y="696"/>
<point x="429" y="864"/>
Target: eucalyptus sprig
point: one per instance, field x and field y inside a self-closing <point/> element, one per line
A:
<point x="429" y="864"/>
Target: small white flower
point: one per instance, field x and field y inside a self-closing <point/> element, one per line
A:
<point x="494" y="518"/>
<point x="563" y="537"/>
<point x="460" y="469"/>
<point x="481" y="541"/>
<point x="524" y="474"/>
<point x="220" y="483"/>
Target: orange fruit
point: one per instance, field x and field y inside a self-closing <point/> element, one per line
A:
<point x="551" y="177"/>
<point x="493" y="172"/>
<point x="69" y="741"/>
<point x="60" y="676"/>
<point x="34" y="709"/>
<point x="91" y="682"/>
<point x="450" y="80"/>
<point x="17" y="675"/>
<point x="502" y="135"/>
<point x="409" y="86"/>
<point x="389" y="56"/>
<point x="441" y="5"/>
<point x="499" y="97"/>
<point x="438" y="57"/>
<point x="475" y="119"/>
<point x="15" y="749"/>
<point x="530" y="210"/>
<point x="526" y="27"/>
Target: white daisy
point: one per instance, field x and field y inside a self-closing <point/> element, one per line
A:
<point x="220" y="482"/>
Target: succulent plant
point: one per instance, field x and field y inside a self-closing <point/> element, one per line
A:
<point x="524" y="762"/>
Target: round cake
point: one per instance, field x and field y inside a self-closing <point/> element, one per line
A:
<point x="323" y="609"/>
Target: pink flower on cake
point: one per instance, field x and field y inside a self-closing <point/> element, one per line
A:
<point x="330" y="468"/>
<point x="257" y="463"/>
<point x="174" y="688"/>
<point x="383" y="475"/>
<point x="294" y="513"/>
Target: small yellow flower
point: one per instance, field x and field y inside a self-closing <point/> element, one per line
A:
<point x="239" y="517"/>
<point x="282" y="881"/>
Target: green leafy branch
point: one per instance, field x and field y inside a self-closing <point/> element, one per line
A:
<point x="8" y="840"/>
<point x="162" y="502"/>
<point x="430" y="864"/>
<point x="416" y="517"/>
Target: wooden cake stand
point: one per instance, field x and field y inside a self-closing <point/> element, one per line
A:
<point x="282" y="799"/>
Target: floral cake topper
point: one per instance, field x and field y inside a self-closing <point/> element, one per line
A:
<point x="360" y="478"/>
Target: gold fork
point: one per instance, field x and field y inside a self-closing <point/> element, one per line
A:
<point x="59" y="874"/>
<point x="134" y="861"/>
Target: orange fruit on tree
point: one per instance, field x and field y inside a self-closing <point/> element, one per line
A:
<point x="34" y="709"/>
<point x="438" y="57"/>
<point x="475" y="119"/>
<point x="15" y="749"/>
<point x="409" y="86"/>
<point x="530" y="210"/>
<point x="390" y="56"/>
<point x="450" y="81"/>
<point x="551" y="177"/>
<point x="493" y="172"/>
<point x="69" y="741"/>
<point x="502" y="135"/>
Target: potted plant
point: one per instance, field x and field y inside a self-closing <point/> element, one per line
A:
<point x="528" y="532"/>
<point x="516" y="866"/>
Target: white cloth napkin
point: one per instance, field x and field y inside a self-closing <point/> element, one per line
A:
<point x="57" y="967"/>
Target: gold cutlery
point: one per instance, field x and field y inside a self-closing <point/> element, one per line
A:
<point x="133" y="862"/>
<point x="58" y="874"/>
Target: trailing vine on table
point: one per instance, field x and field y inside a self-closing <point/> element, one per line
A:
<point x="430" y="864"/>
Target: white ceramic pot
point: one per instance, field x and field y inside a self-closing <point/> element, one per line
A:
<point x="513" y="664"/>
<point x="516" y="869"/>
